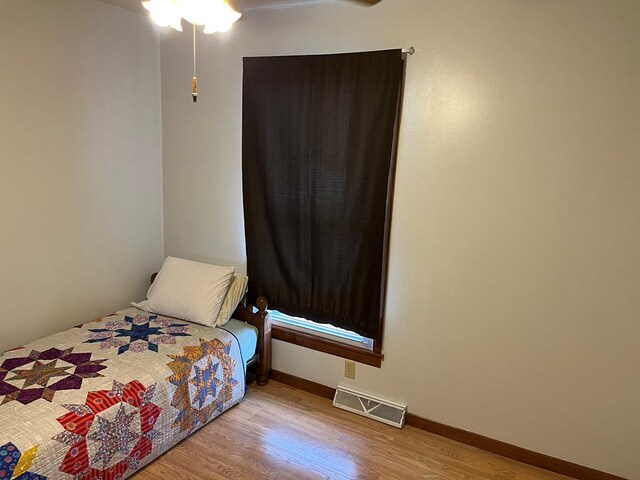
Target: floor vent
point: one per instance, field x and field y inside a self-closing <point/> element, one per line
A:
<point x="368" y="406"/>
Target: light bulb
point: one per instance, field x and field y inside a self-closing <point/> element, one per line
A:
<point x="222" y="18"/>
<point x="164" y="13"/>
<point x="216" y="15"/>
<point x="196" y="11"/>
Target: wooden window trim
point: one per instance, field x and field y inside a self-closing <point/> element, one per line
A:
<point x="333" y="347"/>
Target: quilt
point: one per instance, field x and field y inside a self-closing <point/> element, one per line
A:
<point x="102" y="400"/>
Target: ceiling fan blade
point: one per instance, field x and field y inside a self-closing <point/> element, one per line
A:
<point x="368" y="3"/>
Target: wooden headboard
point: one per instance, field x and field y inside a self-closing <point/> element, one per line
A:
<point x="259" y="319"/>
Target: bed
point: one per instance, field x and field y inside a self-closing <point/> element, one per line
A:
<point x="102" y="400"/>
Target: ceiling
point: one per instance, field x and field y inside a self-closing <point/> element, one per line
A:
<point x="241" y="5"/>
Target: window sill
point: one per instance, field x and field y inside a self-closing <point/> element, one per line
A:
<point x="321" y="344"/>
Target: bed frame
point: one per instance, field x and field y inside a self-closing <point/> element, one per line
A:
<point x="259" y="318"/>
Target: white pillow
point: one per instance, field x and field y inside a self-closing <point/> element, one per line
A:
<point x="189" y="290"/>
<point x="236" y="291"/>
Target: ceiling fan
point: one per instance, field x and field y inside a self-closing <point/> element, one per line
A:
<point x="214" y="15"/>
<point x="368" y="3"/>
<point x="249" y="4"/>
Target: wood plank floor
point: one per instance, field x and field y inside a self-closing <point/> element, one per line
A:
<point x="279" y="432"/>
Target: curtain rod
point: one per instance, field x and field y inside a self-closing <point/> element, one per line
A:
<point x="409" y="51"/>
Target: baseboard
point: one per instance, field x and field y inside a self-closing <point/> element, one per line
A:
<point x="513" y="452"/>
<point x="498" y="447"/>
<point x="303" y="384"/>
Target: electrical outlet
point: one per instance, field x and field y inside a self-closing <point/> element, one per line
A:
<point x="349" y="369"/>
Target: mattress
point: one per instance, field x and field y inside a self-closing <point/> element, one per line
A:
<point x="102" y="400"/>
<point x="247" y="336"/>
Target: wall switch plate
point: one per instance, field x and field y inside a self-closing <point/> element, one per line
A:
<point x="349" y="369"/>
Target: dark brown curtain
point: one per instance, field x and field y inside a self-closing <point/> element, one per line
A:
<point x="317" y="159"/>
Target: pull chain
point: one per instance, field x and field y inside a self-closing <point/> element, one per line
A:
<point x="194" y="81"/>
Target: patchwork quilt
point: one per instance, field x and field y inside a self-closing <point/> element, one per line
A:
<point x="102" y="400"/>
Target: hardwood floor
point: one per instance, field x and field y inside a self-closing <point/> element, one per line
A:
<point x="279" y="432"/>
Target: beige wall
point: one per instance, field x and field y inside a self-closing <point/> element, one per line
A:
<point x="514" y="290"/>
<point x="80" y="163"/>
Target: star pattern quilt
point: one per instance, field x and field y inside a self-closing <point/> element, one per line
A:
<point x="102" y="400"/>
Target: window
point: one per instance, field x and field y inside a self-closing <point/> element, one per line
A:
<point x="324" y="330"/>
<point x="318" y="165"/>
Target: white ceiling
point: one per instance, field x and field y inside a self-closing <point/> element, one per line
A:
<point x="241" y="5"/>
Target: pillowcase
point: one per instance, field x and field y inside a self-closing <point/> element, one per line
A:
<point x="191" y="291"/>
<point x="236" y="292"/>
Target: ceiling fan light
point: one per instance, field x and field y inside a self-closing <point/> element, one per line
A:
<point x="164" y="13"/>
<point x="216" y="15"/>
<point x="195" y="11"/>
<point x="228" y="12"/>
<point x="222" y="17"/>
<point x="164" y="21"/>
